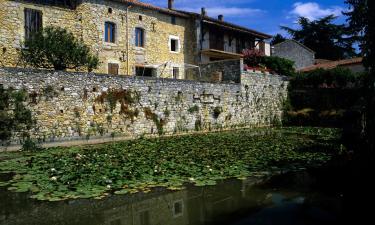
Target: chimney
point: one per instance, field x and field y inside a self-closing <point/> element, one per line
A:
<point x="221" y="17"/>
<point x="204" y="13"/>
<point x="170" y="4"/>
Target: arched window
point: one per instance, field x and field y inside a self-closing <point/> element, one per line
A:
<point x="139" y="37"/>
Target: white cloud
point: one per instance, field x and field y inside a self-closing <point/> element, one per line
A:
<point x="313" y="10"/>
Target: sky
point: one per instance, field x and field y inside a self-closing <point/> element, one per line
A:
<point x="263" y="15"/>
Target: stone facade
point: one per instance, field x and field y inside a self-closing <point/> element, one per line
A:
<point x="298" y="53"/>
<point x="87" y="22"/>
<point x="80" y="106"/>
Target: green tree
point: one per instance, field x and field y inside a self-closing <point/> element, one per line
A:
<point x="278" y="38"/>
<point x="328" y="40"/>
<point x="56" y="48"/>
<point x="362" y="23"/>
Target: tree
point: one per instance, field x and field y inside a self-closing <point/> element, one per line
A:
<point x="56" y="48"/>
<point x="328" y="40"/>
<point x="278" y="38"/>
<point x="362" y="22"/>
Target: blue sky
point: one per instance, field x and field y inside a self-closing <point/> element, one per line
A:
<point x="262" y="15"/>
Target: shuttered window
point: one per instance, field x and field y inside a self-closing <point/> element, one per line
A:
<point x="113" y="68"/>
<point x="139" y="37"/>
<point x="33" y="22"/>
<point x="110" y="31"/>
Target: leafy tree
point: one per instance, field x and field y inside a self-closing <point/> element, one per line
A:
<point x="328" y="40"/>
<point x="362" y="22"/>
<point x="278" y="38"/>
<point x="56" y="48"/>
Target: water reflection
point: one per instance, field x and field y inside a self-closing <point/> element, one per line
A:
<point x="239" y="202"/>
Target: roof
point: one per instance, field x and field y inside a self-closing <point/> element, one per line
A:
<point x="227" y="25"/>
<point x="294" y="41"/>
<point x="206" y="19"/>
<point x="333" y="64"/>
<point x="153" y="7"/>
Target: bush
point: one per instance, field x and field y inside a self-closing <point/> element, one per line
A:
<point x="335" y="78"/>
<point x="255" y="58"/>
<point x="56" y="48"/>
<point x="279" y="65"/>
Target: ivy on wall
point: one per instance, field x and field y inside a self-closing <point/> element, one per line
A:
<point x="15" y="117"/>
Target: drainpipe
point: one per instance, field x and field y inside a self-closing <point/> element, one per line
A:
<point x="127" y="39"/>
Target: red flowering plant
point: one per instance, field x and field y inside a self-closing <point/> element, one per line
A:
<point x="253" y="58"/>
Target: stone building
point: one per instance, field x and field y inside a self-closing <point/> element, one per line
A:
<point x="301" y="55"/>
<point x="130" y="37"/>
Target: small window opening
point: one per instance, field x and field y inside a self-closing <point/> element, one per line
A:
<point x="140" y="18"/>
<point x="110" y="10"/>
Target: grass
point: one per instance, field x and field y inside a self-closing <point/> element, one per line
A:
<point x="139" y="165"/>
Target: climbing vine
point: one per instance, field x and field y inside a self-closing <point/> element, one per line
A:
<point x="14" y="116"/>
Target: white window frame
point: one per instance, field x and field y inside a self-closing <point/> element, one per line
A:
<point x="176" y="38"/>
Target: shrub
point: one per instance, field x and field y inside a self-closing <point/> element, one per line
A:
<point x="56" y="48"/>
<point x="255" y="58"/>
<point x="337" y="77"/>
<point x="252" y="57"/>
<point x="279" y="65"/>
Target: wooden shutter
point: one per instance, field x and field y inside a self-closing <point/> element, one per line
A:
<point x="113" y="68"/>
<point x="33" y="22"/>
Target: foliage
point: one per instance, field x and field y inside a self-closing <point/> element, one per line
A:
<point x="217" y="111"/>
<point x="278" y="38"/>
<point x="159" y="122"/>
<point x="279" y="65"/>
<point x="193" y="109"/>
<point x="138" y="165"/>
<point x="255" y="58"/>
<point x="332" y="78"/>
<point x="362" y="23"/>
<point x="14" y="116"/>
<point x="252" y="57"/>
<point x="327" y="39"/>
<point x="56" y="48"/>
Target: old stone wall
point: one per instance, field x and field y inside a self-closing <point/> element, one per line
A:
<point x="226" y="71"/>
<point x="80" y="106"/>
<point x="87" y="23"/>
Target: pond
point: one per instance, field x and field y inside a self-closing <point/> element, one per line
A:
<point x="291" y="198"/>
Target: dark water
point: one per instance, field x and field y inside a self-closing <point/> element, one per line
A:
<point x="288" y="199"/>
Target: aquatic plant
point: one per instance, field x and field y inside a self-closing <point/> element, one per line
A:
<point x="139" y="165"/>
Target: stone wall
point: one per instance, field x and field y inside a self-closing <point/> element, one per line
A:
<point x="80" y="106"/>
<point x="226" y="71"/>
<point x="87" y="23"/>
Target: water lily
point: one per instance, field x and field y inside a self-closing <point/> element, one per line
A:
<point x="53" y="170"/>
<point x="191" y="179"/>
<point x="53" y="178"/>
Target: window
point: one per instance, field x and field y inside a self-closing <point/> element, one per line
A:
<point x="139" y="37"/>
<point x="110" y="29"/>
<point x="140" y="18"/>
<point x="176" y="72"/>
<point x="173" y="20"/>
<point x="33" y="22"/>
<point x="113" y="68"/>
<point x="174" y="44"/>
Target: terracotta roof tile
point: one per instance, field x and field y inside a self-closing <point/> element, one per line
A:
<point x="152" y="7"/>
<point x="333" y="64"/>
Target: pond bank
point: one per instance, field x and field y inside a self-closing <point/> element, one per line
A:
<point x="139" y="165"/>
